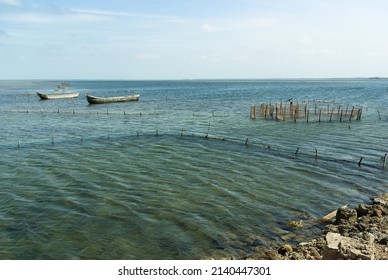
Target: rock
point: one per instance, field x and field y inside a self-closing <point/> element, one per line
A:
<point x="315" y="254"/>
<point x="357" y="249"/>
<point x="357" y="234"/>
<point x="285" y="249"/>
<point x="331" y="228"/>
<point x="346" y="248"/>
<point x="363" y="210"/>
<point x="320" y="243"/>
<point x="383" y="241"/>
<point x="269" y="255"/>
<point x="331" y="251"/>
<point x="345" y="228"/>
<point x="377" y="212"/>
<point x="346" y="215"/>
<point x="296" y="224"/>
<point x="382" y="199"/>
<point x="297" y="256"/>
<point x="362" y="226"/>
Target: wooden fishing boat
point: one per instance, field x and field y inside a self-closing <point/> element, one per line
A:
<point x="57" y="95"/>
<point x="102" y="100"/>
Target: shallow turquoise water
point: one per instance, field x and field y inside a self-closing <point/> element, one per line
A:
<point x="184" y="173"/>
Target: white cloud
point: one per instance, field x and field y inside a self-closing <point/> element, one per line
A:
<point x="35" y="17"/>
<point x="103" y="13"/>
<point x="109" y="13"/>
<point x="209" y="28"/>
<point x="11" y="2"/>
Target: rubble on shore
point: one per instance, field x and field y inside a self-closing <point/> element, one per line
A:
<point x="356" y="234"/>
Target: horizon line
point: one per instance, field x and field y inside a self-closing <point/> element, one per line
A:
<point x="194" y="79"/>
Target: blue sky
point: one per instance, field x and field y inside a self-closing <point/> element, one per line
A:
<point x="201" y="39"/>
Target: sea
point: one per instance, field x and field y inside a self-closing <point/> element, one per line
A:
<point x="184" y="173"/>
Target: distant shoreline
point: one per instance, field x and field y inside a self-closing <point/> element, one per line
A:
<point x="192" y="79"/>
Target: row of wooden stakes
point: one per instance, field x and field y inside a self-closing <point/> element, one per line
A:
<point x="291" y="111"/>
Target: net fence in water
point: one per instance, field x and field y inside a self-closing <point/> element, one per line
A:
<point x="308" y="111"/>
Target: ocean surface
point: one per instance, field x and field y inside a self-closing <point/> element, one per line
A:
<point x="183" y="173"/>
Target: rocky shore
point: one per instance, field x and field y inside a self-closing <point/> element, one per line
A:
<point x="355" y="234"/>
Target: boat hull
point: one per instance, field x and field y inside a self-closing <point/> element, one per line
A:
<point x="103" y="100"/>
<point x="45" y="96"/>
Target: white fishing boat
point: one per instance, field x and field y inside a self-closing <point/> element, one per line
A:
<point x="57" y="95"/>
<point x="60" y="93"/>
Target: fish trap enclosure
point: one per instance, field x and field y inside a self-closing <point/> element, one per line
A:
<point x="308" y="111"/>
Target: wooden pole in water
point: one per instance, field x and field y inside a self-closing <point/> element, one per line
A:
<point x="307" y="116"/>
<point x="276" y="111"/>
<point x="359" y="162"/>
<point x="351" y="114"/>
<point x="331" y="113"/>
<point x="295" y="116"/>
<point x="385" y="160"/>
<point x="320" y="112"/>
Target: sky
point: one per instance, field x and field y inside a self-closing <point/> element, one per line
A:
<point x="193" y="39"/>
